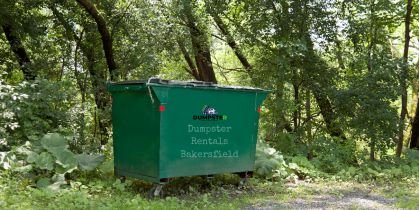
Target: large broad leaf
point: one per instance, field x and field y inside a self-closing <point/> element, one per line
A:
<point x="4" y="163"/>
<point x="23" y="169"/>
<point x="58" y="180"/>
<point x="61" y="170"/>
<point x="32" y="157"/>
<point x="53" y="141"/>
<point x="45" y="161"/>
<point x="53" y="183"/>
<point x="43" y="182"/>
<point x="23" y="150"/>
<point x="107" y="167"/>
<point x="89" y="162"/>
<point x="65" y="158"/>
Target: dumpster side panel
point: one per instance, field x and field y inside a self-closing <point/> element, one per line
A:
<point x="259" y="98"/>
<point x="136" y="131"/>
<point x="207" y="131"/>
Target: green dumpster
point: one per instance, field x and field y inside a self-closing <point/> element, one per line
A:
<point x="166" y="128"/>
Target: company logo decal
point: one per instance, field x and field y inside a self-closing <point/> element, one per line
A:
<point x="207" y="110"/>
<point x="209" y="113"/>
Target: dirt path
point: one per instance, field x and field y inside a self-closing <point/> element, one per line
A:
<point x="329" y="196"/>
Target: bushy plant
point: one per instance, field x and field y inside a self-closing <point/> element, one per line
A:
<point x="269" y="162"/>
<point x="366" y="103"/>
<point x="288" y="145"/>
<point x="48" y="159"/>
<point x="384" y="170"/>
<point x="302" y="167"/>
<point x="331" y="154"/>
<point x="31" y="109"/>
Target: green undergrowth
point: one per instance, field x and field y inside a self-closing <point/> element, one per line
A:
<point x="183" y="193"/>
<point x="406" y="191"/>
<point x="222" y="192"/>
<point x="278" y="179"/>
<point x="273" y="165"/>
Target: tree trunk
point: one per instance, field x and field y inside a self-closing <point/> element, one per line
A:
<point x="192" y="67"/>
<point x="281" y="122"/>
<point x="230" y="41"/>
<point x="308" y="125"/>
<point x="328" y="114"/>
<point x="312" y="63"/>
<point x="339" y="55"/>
<point x="296" y="112"/>
<point x="98" y="80"/>
<point x="282" y="33"/>
<point x="82" y="87"/>
<point x="414" y="138"/>
<point x="97" y="77"/>
<point x="200" y="44"/>
<point x="372" y="150"/>
<point x="403" y="78"/>
<point x="105" y="36"/>
<point x="19" y="50"/>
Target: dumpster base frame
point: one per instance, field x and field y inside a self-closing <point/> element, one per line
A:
<point x="122" y="173"/>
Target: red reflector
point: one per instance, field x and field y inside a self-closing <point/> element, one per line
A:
<point x="259" y="109"/>
<point x="162" y="108"/>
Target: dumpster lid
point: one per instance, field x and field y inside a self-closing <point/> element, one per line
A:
<point x="191" y="83"/>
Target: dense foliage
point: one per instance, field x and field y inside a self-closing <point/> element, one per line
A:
<point x="344" y="77"/>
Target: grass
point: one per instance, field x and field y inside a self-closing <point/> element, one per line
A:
<point x="190" y="193"/>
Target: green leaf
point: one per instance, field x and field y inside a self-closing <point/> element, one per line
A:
<point x="43" y="183"/>
<point x="65" y="158"/>
<point x="57" y="181"/>
<point x="293" y="166"/>
<point x="23" y="150"/>
<point x="53" y="141"/>
<point x="61" y="170"/>
<point x="45" y="161"/>
<point x="107" y="167"/>
<point x="89" y="162"/>
<point x="23" y="169"/>
<point x="32" y="157"/>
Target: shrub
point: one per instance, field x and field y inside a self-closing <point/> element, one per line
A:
<point x="31" y="109"/>
<point x="269" y="162"/>
<point x="48" y="160"/>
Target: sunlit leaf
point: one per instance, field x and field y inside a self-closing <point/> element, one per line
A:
<point x="89" y="162"/>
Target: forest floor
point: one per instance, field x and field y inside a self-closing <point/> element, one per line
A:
<point x="336" y="195"/>
<point x="221" y="193"/>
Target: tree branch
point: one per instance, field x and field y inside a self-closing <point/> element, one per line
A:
<point x="105" y="36"/>
<point x="19" y="51"/>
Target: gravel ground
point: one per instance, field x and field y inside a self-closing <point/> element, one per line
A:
<point x="333" y="196"/>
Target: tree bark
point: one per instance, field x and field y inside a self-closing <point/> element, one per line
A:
<point x="231" y="42"/>
<point x="97" y="77"/>
<point x="192" y="68"/>
<point x="296" y="113"/>
<point x="328" y="113"/>
<point x="403" y="77"/>
<point x="308" y="126"/>
<point x="200" y="44"/>
<point x="19" y="50"/>
<point x="372" y="150"/>
<point x="339" y="55"/>
<point x="312" y="63"/>
<point x="105" y="36"/>
<point x="414" y="138"/>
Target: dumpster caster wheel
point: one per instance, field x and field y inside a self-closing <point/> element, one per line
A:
<point x="122" y="179"/>
<point x="243" y="183"/>
<point x="156" y="191"/>
<point x="244" y="179"/>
